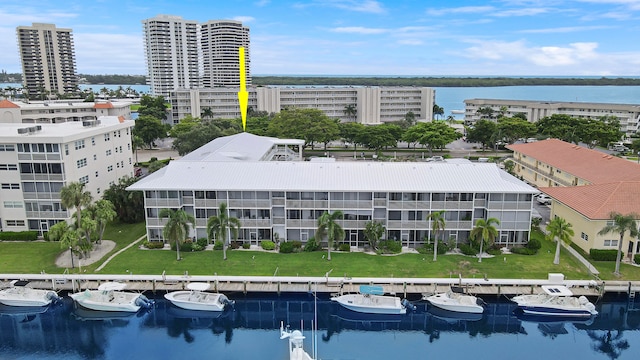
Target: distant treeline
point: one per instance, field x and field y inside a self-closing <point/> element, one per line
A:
<point x="440" y="81"/>
<point x="115" y="79"/>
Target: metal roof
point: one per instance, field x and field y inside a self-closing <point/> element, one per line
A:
<point x="238" y="147"/>
<point x="337" y="176"/>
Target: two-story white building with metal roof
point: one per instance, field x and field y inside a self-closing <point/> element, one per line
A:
<point x="271" y="190"/>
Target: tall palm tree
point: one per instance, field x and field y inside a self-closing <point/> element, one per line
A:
<point x="562" y="231"/>
<point x="74" y="196"/>
<point x="328" y="226"/>
<point x="222" y="226"/>
<point x="486" y="232"/>
<point x="437" y="225"/>
<point x="350" y="111"/>
<point x="621" y="224"/>
<point x="207" y="113"/>
<point x="177" y="227"/>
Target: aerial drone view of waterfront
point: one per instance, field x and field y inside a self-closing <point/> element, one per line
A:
<point x="251" y="331"/>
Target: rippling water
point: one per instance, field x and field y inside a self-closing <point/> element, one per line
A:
<point x="252" y="332"/>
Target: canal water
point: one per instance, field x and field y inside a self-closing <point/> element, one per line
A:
<point x="251" y="331"/>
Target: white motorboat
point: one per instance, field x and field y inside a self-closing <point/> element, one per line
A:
<point x="557" y="301"/>
<point x="20" y="295"/>
<point x="296" y="339"/>
<point x="109" y="297"/>
<point x="197" y="299"/>
<point x="371" y="300"/>
<point x="457" y="301"/>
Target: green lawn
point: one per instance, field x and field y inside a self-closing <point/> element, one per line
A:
<point x="27" y="257"/>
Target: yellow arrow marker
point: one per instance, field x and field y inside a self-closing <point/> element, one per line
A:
<point x="243" y="95"/>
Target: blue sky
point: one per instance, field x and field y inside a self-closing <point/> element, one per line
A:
<point x="362" y="37"/>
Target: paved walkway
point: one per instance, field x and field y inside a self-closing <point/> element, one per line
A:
<point x="120" y="251"/>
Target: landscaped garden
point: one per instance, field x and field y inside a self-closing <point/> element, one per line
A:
<point x="34" y="257"/>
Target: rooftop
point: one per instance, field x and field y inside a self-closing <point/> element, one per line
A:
<point x="596" y="202"/>
<point x="9" y="131"/>
<point x="591" y="165"/>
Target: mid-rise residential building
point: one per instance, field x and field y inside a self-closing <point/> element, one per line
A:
<point x="48" y="60"/>
<point x="268" y="187"/>
<point x="54" y="112"/>
<point x="372" y="105"/>
<point x="628" y="114"/>
<point x="171" y="53"/>
<point x="36" y="161"/>
<point x="585" y="187"/>
<point x="219" y="44"/>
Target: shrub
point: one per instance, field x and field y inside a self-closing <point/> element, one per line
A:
<point x="344" y="247"/>
<point x="311" y="245"/>
<point x="424" y="249"/>
<point x="246" y="245"/>
<point x="636" y="258"/>
<point x="297" y="245"/>
<point x="153" y="159"/>
<point x="218" y="245"/>
<point x="19" y="235"/>
<point x="428" y="248"/>
<point x="494" y="251"/>
<point x="467" y="249"/>
<point x="286" y="247"/>
<point x="203" y="242"/>
<point x="186" y="246"/>
<point x="390" y="247"/>
<point x="523" y="251"/>
<point x="196" y="247"/>
<point x="268" y="245"/>
<point x="234" y="245"/>
<point x="604" y="255"/>
<point x="534" y="244"/>
<point x="153" y="244"/>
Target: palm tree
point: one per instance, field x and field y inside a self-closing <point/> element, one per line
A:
<point x="222" y="226"/>
<point x="328" y="226"/>
<point x="486" y="231"/>
<point x="74" y="195"/>
<point x="437" y="225"/>
<point x="621" y="224"/>
<point x="560" y="230"/>
<point x="350" y="111"/>
<point x="137" y="143"/>
<point x="207" y="113"/>
<point x="177" y="227"/>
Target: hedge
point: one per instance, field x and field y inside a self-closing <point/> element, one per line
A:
<point x="154" y="244"/>
<point x="604" y="255"/>
<point x="523" y="251"/>
<point x="268" y="245"/>
<point x="286" y="247"/>
<point x="636" y="258"/>
<point x="19" y="235"/>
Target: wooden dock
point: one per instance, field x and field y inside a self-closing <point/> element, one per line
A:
<point x="326" y="284"/>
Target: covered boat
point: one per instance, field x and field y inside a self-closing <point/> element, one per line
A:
<point x="21" y="295"/>
<point x="109" y="297"/>
<point x="197" y="299"/>
<point x="555" y="300"/>
<point x="372" y="300"/>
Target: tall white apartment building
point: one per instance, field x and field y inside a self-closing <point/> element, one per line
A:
<point x="219" y="44"/>
<point x="55" y="112"/>
<point x="36" y="161"/>
<point x="171" y="52"/>
<point x="628" y="114"/>
<point x="48" y="59"/>
<point x="373" y="105"/>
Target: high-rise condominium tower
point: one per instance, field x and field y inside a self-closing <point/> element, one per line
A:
<point x="48" y="60"/>
<point x="219" y="43"/>
<point x="171" y="51"/>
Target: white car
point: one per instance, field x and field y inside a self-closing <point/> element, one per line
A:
<point x="543" y="199"/>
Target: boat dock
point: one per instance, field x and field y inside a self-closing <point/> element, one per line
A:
<point x="298" y="284"/>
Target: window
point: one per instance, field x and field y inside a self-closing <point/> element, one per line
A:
<point x="96" y="174"/>
<point x="84" y="179"/>
<point x="81" y="163"/>
<point x="8" y="167"/>
<point x="109" y="168"/>
<point x="108" y="152"/>
<point x="6" y="186"/>
<point x="120" y="149"/>
<point x="79" y="144"/>
<point x="106" y="137"/>
<point x="13" y="205"/>
<point x="611" y="243"/>
<point x="98" y="190"/>
<point x="66" y="149"/>
<point x="584" y="236"/>
<point x="7" y="147"/>
<point x="93" y="141"/>
<point x="15" y="222"/>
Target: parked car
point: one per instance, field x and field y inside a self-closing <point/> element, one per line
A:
<point x="543" y="199"/>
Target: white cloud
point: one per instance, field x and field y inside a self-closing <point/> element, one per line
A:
<point x="365" y="6"/>
<point x="567" y="29"/>
<point x="359" y="30"/>
<point x="460" y="10"/>
<point x="522" y="12"/>
<point x="244" y="19"/>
